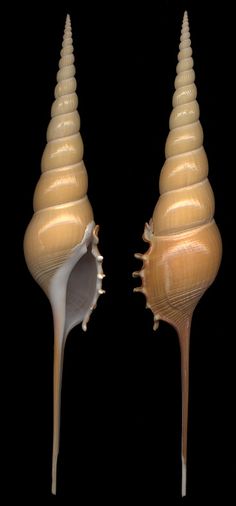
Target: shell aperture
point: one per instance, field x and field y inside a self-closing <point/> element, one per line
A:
<point x="60" y="243"/>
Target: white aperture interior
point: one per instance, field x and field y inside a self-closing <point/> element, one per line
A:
<point x="75" y="287"/>
<point x="81" y="289"/>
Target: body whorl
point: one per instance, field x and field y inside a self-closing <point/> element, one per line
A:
<point x="184" y="242"/>
<point x="60" y="243"/>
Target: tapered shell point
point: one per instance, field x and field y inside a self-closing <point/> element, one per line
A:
<point x="60" y="243"/>
<point x="185" y="248"/>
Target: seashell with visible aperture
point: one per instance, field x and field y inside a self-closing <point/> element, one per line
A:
<point x="60" y="243"/>
<point x="185" y="245"/>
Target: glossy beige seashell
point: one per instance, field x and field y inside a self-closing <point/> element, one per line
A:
<point x="185" y="245"/>
<point x="60" y="243"/>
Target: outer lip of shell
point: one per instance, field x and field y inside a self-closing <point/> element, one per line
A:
<point x="100" y="275"/>
<point x="175" y="278"/>
<point x="66" y="264"/>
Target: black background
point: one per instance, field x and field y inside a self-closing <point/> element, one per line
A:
<point x="121" y="397"/>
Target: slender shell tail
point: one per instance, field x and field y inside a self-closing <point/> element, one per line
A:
<point x="60" y="243"/>
<point x="185" y="248"/>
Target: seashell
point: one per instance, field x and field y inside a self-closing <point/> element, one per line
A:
<point x="185" y="245"/>
<point x="60" y="243"/>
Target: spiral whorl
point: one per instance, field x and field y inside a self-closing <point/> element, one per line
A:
<point x="186" y="200"/>
<point x="60" y="243"/>
<point x="63" y="131"/>
<point x="185" y="249"/>
<point x="62" y="210"/>
<point x="64" y="150"/>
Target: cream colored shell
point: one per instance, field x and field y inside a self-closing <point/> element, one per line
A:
<point x="60" y="243"/>
<point x="185" y="245"/>
<point x="62" y="210"/>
